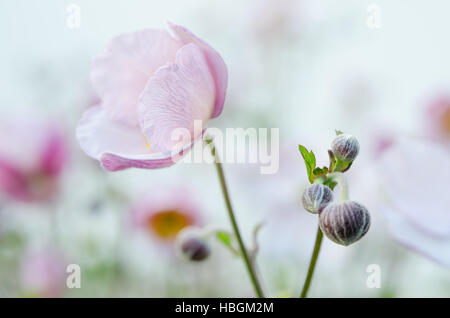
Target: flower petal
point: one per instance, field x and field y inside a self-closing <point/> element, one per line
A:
<point x="13" y="181"/>
<point x="54" y="153"/>
<point x="217" y="66"/>
<point x="120" y="74"/>
<point x="405" y="233"/>
<point x="118" y="146"/>
<point x="113" y="162"/>
<point x="177" y="95"/>
<point x="416" y="174"/>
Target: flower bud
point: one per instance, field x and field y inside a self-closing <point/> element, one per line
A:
<point x="345" y="147"/>
<point x="316" y="197"/>
<point x="192" y="246"/>
<point x="345" y="223"/>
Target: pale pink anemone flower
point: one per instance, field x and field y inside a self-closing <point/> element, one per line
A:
<point x="162" y="215"/>
<point x="150" y="83"/>
<point x="416" y="175"/>
<point x="32" y="157"/>
<point x="43" y="274"/>
<point x="438" y="115"/>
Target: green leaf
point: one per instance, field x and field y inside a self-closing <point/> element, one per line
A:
<point x="320" y="171"/>
<point x="310" y="162"/>
<point x="224" y="237"/>
<point x="338" y="132"/>
<point x="342" y="166"/>
<point x="227" y="240"/>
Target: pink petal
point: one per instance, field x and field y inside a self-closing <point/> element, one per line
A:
<point x="217" y="66"/>
<point x="119" y="146"/>
<point x="174" y="97"/>
<point x="437" y="249"/>
<point x="115" y="163"/>
<point x="44" y="273"/>
<point x="416" y="181"/>
<point x="13" y="181"/>
<point x="120" y="74"/>
<point x="54" y="153"/>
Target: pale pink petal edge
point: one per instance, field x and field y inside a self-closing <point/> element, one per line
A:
<point x="216" y="63"/>
<point x="113" y="162"/>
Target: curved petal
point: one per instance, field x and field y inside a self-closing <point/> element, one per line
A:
<point x="406" y="234"/>
<point x="98" y="134"/>
<point x="416" y="177"/>
<point x="217" y="65"/>
<point x="120" y="74"/>
<point x="175" y="97"/>
<point x="113" y="162"/>
<point x="118" y="146"/>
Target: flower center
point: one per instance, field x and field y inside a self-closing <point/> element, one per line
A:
<point x="445" y="121"/>
<point x="167" y="224"/>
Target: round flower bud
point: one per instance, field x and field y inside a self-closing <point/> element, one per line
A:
<point x="345" y="223"/>
<point x="316" y="197"/>
<point x="345" y="147"/>
<point x="191" y="245"/>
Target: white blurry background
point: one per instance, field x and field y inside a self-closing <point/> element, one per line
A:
<point x="305" y="67"/>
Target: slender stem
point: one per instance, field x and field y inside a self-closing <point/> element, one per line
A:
<point x="247" y="261"/>
<point x="312" y="263"/>
<point x="339" y="176"/>
<point x="342" y="181"/>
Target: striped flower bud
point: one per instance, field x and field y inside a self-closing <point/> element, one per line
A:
<point x="345" y="147"/>
<point x="192" y="246"/>
<point x="316" y="197"/>
<point x="345" y="223"/>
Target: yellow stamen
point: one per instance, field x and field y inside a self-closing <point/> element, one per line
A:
<point x="148" y="142"/>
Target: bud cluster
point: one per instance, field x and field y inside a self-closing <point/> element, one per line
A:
<point x="347" y="221"/>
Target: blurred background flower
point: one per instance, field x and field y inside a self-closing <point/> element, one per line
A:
<point x="43" y="274"/>
<point x="307" y="67"/>
<point x="164" y="214"/>
<point x="32" y="157"/>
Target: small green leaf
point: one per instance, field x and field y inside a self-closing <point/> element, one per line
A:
<point x="310" y="162"/>
<point x="320" y="171"/>
<point x="226" y="239"/>
<point x="342" y="166"/>
<point x="338" y="132"/>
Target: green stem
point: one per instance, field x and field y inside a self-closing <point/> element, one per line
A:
<point x="342" y="181"/>
<point x="247" y="261"/>
<point x="312" y="263"/>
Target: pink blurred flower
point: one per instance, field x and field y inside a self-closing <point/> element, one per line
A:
<point x="438" y="115"/>
<point x="32" y="156"/>
<point x="163" y="215"/>
<point x="275" y="19"/>
<point x="416" y="178"/>
<point x="150" y="83"/>
<point x="43" y="274"/>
